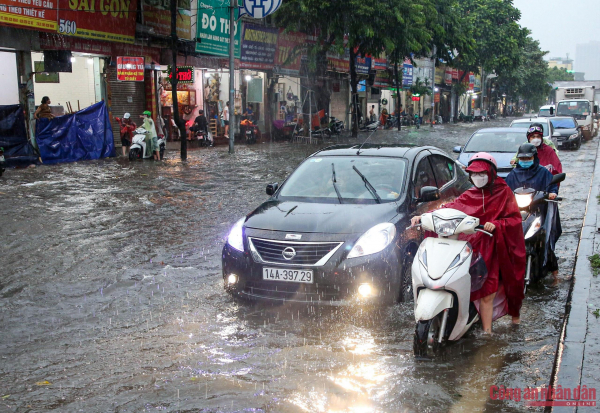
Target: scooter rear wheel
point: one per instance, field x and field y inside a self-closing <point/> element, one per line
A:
<point x="425" y="343"/>
<point x="134" y="154"/>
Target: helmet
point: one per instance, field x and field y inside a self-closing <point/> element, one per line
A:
<point x="147" y="113"/>
<point x="527" y="150"/>
<point x="535" y="128"/>
<point x="483" y="156"/>
<point x="126" y="116"/>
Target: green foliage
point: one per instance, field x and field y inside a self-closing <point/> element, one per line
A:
<point x="556" y="74"/>
<point x="596" y="312"/>
<point x="595" y="263"/>
<point x="420" y="88"/>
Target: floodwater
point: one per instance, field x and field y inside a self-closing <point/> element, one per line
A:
<point x="111" y="299"/>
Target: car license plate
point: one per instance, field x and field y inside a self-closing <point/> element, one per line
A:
<point x="281" y="274"/>
<point x="248" y="132"/>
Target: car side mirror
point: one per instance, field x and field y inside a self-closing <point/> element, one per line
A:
<point x="551" y="111"/>
<point x="457" y="149"/>
<point x="429" y="193"/>
<point x="558" y="178"/>
<point x="272" y="188"/>
<point x="556" y="134"/>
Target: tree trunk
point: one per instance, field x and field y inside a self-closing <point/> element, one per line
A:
<point x="178" y="121"/>
<point x="354" y="92"/>
<point x="457" y="97"/>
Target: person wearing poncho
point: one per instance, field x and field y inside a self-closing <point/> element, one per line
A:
<point x="492" y="201"/>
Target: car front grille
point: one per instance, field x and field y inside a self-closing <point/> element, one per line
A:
<point x="308" y="293"/>
<point x="292" y="253"/>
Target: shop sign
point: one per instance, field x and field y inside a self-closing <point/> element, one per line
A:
<point x="436" y="97"/>
<point x="380" y="63"/>
<point x="130" y="69"/>
<point x="362" y="65"/>
<point x="259" y="9"/>
<point x="448" y="76"/>
<point x="290" y="48"/>
<point x="213" y="29"/>
<point x="157" y="15"/>
<point x="259" y="45"/>
<point x="383" y="79"/>
<point x="38" y="15"/>
<point x="416" y="98"/>
<point x="111" y="20"/>
<point x="407" y="75"/>
<point x="339" y="63"/>
<point x="471" y="81"/>
<point x="185" y="74"/>
<point x="439" y="74"/>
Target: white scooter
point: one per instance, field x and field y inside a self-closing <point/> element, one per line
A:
<point x="137" y="150"/>
<point x="441" y="277"/>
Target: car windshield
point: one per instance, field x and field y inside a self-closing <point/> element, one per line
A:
<point x="313" y="181"/>
<point x="526" y="125"/>
<point x="573" y="108"/>
<point x="566" y="123"/>
<point x="544" y="113"/>
<point x="496" y="141"/>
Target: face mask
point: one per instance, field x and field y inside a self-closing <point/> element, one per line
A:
<point x="479" y="181"/>
<point x="526" y="164"/>
<point x="536" y="142"/>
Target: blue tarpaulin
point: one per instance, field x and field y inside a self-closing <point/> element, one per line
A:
<point x="13" y="137"/>
<point x="80" y="136"/>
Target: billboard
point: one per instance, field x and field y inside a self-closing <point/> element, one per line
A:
<point x="130" y="69"/>
<point x="157" y="15"/>
<point x="290" y="48"/>
<point x="259" y="46"/>
<point x="212" y="27"/>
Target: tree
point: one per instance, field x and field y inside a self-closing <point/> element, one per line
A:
<point x="532" y="75"/>
<point x="556" y="74"/>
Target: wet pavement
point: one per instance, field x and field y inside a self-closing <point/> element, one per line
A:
<point x="111" y="299"/>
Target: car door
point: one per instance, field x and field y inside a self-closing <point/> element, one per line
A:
<point x="446" y="177"/>
<point x="422" y="176"/>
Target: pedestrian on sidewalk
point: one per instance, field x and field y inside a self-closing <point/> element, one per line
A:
<point x="44" y="111"/>
<point x="126" y="128"/>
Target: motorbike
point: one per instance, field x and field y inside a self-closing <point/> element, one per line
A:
<point x="137" y="150"/>
<point x="203" y="138"/>
<point x="335" y="126"/>
<point x="370" y="126"/>
<point x="2" y="161"/>
<point x="534" y="212"/>
<point x="250" y="132"/>
<point x="465" y="118"/>
<point x="444" y="273"/>
<point x="392" y="122"/>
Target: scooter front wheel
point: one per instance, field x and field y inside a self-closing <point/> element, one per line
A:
<point x="426" y="343"/>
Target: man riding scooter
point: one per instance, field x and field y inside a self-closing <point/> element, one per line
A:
<point x="530" y="174"/>
<point x="492" y="202"/>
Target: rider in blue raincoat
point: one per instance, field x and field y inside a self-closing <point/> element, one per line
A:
<point x="530" y="174"/>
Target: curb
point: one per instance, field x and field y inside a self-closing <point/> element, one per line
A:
<point x="569" y="360"/>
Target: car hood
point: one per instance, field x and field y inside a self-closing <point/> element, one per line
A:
<point x="502" y="159"/>
<point x="291" y="216"/>
<point x="566" y="132"/>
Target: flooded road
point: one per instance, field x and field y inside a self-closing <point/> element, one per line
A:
<point x="111" y="299"/>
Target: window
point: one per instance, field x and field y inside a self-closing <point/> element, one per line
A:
<point x="423" y="177"/>
<point x="443" y="168"/>
<point x="564" y="123"/>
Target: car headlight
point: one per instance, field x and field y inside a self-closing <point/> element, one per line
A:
<point x="535" y="226"/>
<point x="574" y="136"/>
<point x="445" y="227"/>
<point x="461" y="258"/>
<point x="236" y="235"/>
<point x="422" y="254"/>
<point x="374" y="240"/>
<point x="524" y="200"/>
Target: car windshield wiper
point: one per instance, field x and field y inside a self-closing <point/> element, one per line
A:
<point x="368" y="185"/>
<point x="337" y="191"/>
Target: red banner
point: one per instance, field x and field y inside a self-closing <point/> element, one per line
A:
<point x="289" y="44"/>
<point x="33" y="14"/>
<point x="130" y="69"/>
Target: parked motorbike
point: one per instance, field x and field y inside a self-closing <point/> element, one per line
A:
<point x="444" y="273"/>
<point x="203" y="138"/>
<point x="532" y="205"/>
<point x="370" y="126"/>
<point x="2" y="161"/>
<point x="335" y="126"/>
<point x="250" y="132"/>
<point x="137" y="150"/>
<point x="465" y="118"/>
<point x="392" y="122"/>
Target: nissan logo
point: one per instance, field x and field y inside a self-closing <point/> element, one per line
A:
<point x="289" y="253"/>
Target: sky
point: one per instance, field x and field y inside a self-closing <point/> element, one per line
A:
<point x="560" y="24"/>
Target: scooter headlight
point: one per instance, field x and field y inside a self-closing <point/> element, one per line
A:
<point x="236" y="235"/>
<point x="445" y="227"/>
<point x="374" y="240"/>
<point x="535" y="226"/>
<point x="524" y="200"/>
<point x="461" y="258"/>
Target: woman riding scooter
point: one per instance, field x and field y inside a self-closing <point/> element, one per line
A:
<point x="530" y="174"/>
<point x="492" y="201"/>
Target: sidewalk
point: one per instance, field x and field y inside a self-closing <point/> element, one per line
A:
<point x="578" y="353"/>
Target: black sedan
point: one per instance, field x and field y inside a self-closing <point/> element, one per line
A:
<point x="566" y="131"/>
<point x="335" y="230"/>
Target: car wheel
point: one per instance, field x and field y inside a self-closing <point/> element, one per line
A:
<point x="406" y="287"/>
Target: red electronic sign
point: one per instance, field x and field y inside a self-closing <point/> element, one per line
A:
<point x="185" y="74"/>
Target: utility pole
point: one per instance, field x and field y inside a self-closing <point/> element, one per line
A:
<point x="232" y="7"/>
<point x="398" y="100"/>
<point x="174" y="81"/>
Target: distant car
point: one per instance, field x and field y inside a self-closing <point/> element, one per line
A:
<point x="335" y="230"/>
<point x="501" y="143"/>
<point x="570" y="133"/>
<point x="545" y="122"/>
<point x="547" y="111"/>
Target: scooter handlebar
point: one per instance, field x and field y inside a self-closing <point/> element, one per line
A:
<point x="479" y="228"/>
